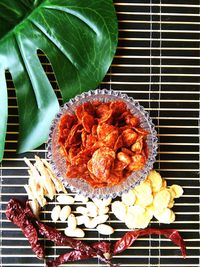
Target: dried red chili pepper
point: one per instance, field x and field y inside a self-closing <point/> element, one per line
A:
<point x="74" y="255"/>
<point x="22" y="216"/>
<point x="60" y="239"/>
<point x="86" y="251"/>
<point x="128" y="239"/>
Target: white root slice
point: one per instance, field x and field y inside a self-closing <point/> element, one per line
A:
<point x="47" y="182"/>
<point x="35" y="207"/>
<point x="36" y="192"/>
<point x="58" y="184"/>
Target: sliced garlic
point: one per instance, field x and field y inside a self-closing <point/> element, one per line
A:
<point x="155" y="180"/>
<point x="178" y="190"/>
<point x="161" y="199"/>
<point x="165" y="216"/>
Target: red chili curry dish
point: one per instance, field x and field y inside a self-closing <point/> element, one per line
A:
<point x="102" y="143"/>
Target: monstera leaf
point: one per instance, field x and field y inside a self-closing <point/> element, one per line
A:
<point x="79" y="37"/>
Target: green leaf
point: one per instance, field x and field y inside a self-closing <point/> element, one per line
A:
<point x="3" y="112"/>
<point x="78" y="37"/>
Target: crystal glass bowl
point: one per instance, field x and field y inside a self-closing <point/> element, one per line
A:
<point x="80" y="186"/>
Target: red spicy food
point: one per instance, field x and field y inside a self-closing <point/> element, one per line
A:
<point x="102" y="143"/>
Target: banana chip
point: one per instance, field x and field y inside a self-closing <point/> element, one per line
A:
<point x="161" y="199"/>
<point x="178" y="190"/>
<point x="165" y="216"/>
<point x="155" y="180"/>
<point x="143" y="190"/>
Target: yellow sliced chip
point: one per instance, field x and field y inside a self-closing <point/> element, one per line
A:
<point x="164" y="184"/>
<point x="140" y="220"/>
<point x="161" y="199"/>
<point x="143" y="189"/>
<point x="150" y="209"/>
<point x="178" y="190"/>
<point x="155" y="179"/>
<point x="165" y="216"/>
<point x="129" y="198"/>
<point x="144" y="200"/>
<point x="171" y="204"/>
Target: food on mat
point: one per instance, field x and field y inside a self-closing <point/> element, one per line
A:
<point x="76" y="232"/>
<point x="102" y="143"/>
<point x="21" y="215"/>
<point x="55" y="213"/>
<point x="72" y="222"/>
<point x="42" y="183"/>
<point x="130" y="237"/>
<point x="64" y="213"/>
<point x="150" y="198"/>
<point x="65" y="199"/>
<point x="105" y="229"/>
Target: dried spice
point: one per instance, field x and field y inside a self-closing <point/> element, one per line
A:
<point x="128" y="239"/>
<point x="98" y="127"/>
<point x="22" y="216"/>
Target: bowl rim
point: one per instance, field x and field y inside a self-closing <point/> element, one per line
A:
<point x="103" y="92"/>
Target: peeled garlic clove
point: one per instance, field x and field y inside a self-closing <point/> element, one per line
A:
<point x="103" y="210"/>
<point x="101" y="203"/>
<point x="105" y="229"/>
<point x="128" y="198"/>
<point x="72" y="222"/>
<point x="81" y="198"/>
<point x="101" y="219"/>
<point x="65" y="199"/>
<point x="90" y="223"/>
<point x="178" y="190"/>
<point x="107" y="201"/>
<point x="82" y="210"/>
<point x="119" y="210"/>
<point x="65" y="212"/>
<point x="55" y="213"/>
<point x="81" y="219"/>
<point x="92" y="209"/>
<point x="77" y="232"/>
